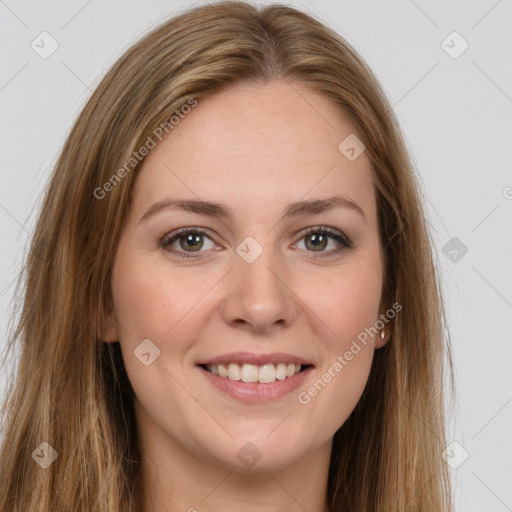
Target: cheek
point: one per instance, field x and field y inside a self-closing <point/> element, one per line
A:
<point x="346" y="308"/>
<point x="351" y="371"/>
<point x="152" y="302"/>
<point x="148" y="300"/>
<point x="346" y="304"/>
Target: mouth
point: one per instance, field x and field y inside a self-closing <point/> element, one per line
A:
<point x="256" y="377"/>
<point x="251" y="373"/>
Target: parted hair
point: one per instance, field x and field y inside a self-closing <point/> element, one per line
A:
<point x="70" y="389"/>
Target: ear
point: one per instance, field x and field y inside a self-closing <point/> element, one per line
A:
<point x="382" y="337"/>
<point x="109" y="331"/>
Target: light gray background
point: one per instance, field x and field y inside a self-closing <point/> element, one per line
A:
<point x="456" y="115"/>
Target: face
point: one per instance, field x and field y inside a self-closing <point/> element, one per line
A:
<point x="275" y="273"/>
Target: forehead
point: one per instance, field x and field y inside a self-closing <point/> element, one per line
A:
<point x="257" y="144"/>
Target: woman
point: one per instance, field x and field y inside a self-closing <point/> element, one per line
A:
<point x="230" y="300"/>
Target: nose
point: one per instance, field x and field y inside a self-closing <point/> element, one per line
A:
<point x="259" y="295"/>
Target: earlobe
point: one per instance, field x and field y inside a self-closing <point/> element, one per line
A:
<point x="108" y="333"/>
<point x="382" y="339"/>
<point x="384" y="334"/>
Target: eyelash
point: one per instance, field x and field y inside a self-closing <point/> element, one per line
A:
<point x="344" y="241"/>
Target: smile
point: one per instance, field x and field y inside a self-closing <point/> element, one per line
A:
<point x="256" y="392"/>
<point x="264" y="374"/>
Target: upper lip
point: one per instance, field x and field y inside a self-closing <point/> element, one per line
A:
<point x="256" y="359"/>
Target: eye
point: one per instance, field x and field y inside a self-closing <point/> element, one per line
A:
<point x="187" y="241"/>
<point x="317" y="240"/>
<point x="184" y="240"/>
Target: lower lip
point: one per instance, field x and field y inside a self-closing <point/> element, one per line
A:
<point x="254" y="391"/>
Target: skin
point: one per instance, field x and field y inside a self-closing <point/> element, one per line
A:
<point x="255" y="149"/>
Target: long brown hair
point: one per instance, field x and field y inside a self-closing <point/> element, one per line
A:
<point x="71" y="389"/>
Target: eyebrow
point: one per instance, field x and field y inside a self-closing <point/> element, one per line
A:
<point x="213" y="209"/>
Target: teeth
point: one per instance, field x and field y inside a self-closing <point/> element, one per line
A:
<point x="265" y="374"/>
<point x="281" y="371"/>
<point x="234" y="372"/>
<point x="249" y="373"/>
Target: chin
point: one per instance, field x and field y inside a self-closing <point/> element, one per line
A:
<point x="260" y="451"/>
